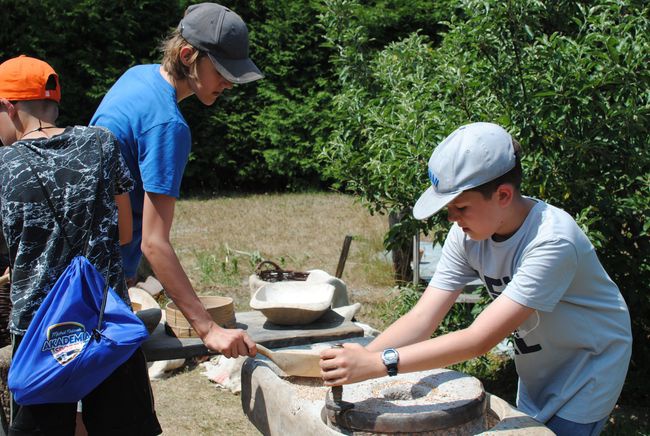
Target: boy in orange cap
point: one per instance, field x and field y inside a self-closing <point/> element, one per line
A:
<point x="69" y="163"/>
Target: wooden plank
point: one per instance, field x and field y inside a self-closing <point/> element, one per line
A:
<point x="330" y="327"/>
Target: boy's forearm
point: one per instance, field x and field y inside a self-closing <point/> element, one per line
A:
<point x="441" y="351"/>
<point x="419" y="323"/>
<point x="404" y="331"/>
<point x="494" y="324"/>
<point x="124" y="218"/>
<point x="170" y="273"/>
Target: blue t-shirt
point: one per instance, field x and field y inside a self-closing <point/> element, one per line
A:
<point x="141" y="111"/>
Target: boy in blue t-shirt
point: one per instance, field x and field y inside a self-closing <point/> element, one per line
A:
<point x="204" y="56"/>
<point x="571" y="326"/>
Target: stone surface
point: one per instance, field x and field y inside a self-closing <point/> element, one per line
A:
<point x="340" y="288"/>
<point x="438" y="401"/>
<point x="150" y="318"/>
<point x="315" y="276"/>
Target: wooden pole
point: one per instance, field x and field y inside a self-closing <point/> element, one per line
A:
<point x="344" y="256"/>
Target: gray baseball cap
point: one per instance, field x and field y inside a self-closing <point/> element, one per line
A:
<point x="472" y="155"/>
<point x="223" y="35"/>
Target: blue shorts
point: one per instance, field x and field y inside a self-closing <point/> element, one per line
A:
<point x="563" y="427"/>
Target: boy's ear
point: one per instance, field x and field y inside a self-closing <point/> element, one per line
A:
<point x="505" y="194"/>
<point x="9" y="106"/>
<point x="186" y="55"/>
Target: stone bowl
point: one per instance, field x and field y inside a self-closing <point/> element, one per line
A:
<point x="293" y="302"/>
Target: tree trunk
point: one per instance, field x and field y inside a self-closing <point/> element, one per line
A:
<point x="403" y="254"/>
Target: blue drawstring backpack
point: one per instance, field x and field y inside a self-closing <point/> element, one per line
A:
<point x="64" y="355"/>
<point x="80" y="334"/>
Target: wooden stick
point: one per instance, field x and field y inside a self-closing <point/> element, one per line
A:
<point x="344" y="255"/>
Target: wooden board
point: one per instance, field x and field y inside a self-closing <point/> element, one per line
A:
<point x="330" y="327"/>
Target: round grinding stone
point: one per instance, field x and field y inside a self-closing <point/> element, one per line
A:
<point x="432" y="402"/>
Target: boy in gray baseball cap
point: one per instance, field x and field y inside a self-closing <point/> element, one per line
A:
<point x="569" y="322"/>
<point x="204" y="56"/>
<point x="223" y="36"/>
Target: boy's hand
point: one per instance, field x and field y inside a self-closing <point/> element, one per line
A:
<point x="229" y="342"/>
<point x="350" y="364"/>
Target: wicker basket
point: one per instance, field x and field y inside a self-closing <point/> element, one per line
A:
<point x="221" y="309"/>
<point x="269" y="271"/>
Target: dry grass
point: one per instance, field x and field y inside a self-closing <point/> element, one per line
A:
<point x="188" y="404"/>
<point x="219" y="241"/>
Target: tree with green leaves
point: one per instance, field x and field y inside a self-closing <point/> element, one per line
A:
<point x="568" y="79"/>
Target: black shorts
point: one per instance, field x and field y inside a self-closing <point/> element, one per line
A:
<point x="121" y="405"/>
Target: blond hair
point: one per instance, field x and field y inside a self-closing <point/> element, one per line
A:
<point x="171" y="61"/>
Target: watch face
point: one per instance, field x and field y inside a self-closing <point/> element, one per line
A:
<point x="390" y="356"/>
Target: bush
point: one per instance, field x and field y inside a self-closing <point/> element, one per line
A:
<point x="89" y="43"/>
<point x="265" y="136"/>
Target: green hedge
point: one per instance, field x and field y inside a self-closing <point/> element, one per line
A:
<point x="260" y="136"/>
<point x="257" y="137"/>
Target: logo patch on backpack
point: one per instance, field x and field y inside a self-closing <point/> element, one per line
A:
<point x="65" y="341"/>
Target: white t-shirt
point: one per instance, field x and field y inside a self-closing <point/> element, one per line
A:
<point x="572" y="353"/>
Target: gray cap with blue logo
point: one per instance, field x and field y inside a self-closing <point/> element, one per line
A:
<point x="472" y="155"/>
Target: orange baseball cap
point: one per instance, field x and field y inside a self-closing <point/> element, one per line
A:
<point x="24" y="78"/>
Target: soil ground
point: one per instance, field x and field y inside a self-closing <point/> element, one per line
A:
<point x="189" y="404"/>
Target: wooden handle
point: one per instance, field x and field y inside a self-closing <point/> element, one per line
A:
<point x="4" y="279"/>
<point x="261" y="349"/>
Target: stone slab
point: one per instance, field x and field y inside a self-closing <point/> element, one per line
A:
<point x="330" y="327"/>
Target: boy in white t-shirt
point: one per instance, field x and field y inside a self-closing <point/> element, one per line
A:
<point x="570" y="323"/>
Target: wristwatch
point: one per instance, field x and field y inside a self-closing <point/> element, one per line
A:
<point x="390" y="357"/>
